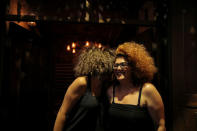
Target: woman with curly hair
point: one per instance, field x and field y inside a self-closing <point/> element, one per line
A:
<point x="135" y="103"/>
<point x="81" y="107"/>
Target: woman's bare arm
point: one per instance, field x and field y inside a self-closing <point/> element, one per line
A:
<point x="155" y="105"/>
<point x="74" y="92"/>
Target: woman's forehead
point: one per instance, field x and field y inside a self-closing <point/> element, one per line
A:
<point x="120" y="59"/>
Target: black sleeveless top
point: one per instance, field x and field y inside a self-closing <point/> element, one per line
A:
<point x="125" y="117"/>
<point x="85" y="115"/>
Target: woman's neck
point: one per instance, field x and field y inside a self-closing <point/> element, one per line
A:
<point x="126" y="84"/>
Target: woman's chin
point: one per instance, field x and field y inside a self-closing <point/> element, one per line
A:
<point x="120" y="78"/>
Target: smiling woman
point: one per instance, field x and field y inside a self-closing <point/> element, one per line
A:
<point x="121" y="68"/>
<point x="135" y="102"/>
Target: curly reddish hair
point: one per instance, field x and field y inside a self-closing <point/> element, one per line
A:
<point x="142" y="64"/>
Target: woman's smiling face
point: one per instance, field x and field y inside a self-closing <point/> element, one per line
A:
<point x="122" y="70"/>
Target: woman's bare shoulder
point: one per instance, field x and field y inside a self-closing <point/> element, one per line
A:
<point x="81" y="81"/>
<point x="78" y="84"/>
<point x="149" y="88"/>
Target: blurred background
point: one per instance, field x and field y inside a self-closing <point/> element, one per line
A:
<point x="40" y="38"/>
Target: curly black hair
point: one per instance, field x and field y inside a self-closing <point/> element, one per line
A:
<point x="94" y="61"/>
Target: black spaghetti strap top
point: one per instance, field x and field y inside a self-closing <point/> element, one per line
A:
<point x="125" y="117"/>
<point x="85" y="114"/>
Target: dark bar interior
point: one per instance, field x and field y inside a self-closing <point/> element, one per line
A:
<point x="39" y="39"/>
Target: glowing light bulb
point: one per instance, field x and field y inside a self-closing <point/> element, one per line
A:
<point x="99" y="45"/>
<point x="73" y="51"/>
<point x="68" y="47"/>
<point x="87" y="43"/>
<point x="73" y="45"/>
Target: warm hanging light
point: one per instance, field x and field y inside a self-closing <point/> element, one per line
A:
<point x="73" y="45"/>
<point x="68" y="47"/>
<point x="99" y="45"/>
<point x="73" y="51"/>
<point x="87" y="44"/>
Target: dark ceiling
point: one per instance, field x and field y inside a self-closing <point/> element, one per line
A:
<point x="125" y="8"/>
<point x="105" y="33"/>
<point x="115" y="16"/>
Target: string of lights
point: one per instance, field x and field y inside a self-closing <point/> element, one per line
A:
<point x="74" y="46"/>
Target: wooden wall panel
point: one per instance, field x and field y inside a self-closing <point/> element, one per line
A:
<point x="184" y="65"/>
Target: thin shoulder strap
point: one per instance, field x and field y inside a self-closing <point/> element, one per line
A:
<point x="113" y="95"/>
<point x="139" y="97"/>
